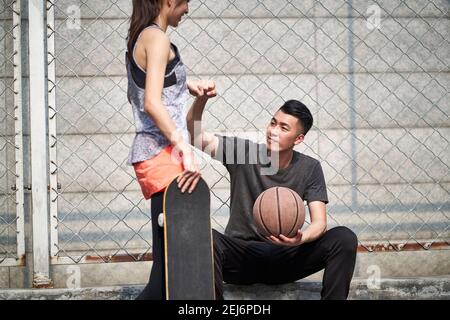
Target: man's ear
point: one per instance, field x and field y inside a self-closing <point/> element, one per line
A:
<point x="299" y="139"/>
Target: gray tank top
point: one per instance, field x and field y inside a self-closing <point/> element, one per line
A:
<point x="149" y="140"/>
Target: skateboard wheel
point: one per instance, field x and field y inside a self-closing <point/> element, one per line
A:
<point x="161" y="220"/>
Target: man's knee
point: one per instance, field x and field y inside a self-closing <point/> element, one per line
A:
<point x="346" y="238"/>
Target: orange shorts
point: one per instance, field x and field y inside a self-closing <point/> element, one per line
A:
<point x="155" y="174"/>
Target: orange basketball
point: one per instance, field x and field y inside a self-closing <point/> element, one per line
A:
<point x="279" y="210"/>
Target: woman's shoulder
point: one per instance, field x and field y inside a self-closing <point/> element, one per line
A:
<point x="155" y="36"/>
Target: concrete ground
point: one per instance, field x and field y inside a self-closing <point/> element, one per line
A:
<point x="436" y="288"/>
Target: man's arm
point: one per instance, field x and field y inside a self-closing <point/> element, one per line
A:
<point x="204" y="90"/>
<point x="201" y="139"/>
<point x="317" y="227"/>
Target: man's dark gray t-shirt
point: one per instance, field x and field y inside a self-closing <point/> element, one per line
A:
<point x="245" y="161"/>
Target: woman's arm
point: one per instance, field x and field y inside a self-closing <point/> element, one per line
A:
<point x="157" y="49"/>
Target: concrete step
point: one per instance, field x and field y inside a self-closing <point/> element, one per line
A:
<point x="384" y="265"/>
<point x="432" y="288"/>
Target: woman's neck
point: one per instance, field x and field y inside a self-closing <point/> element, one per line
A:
<point x="161" y="22"/>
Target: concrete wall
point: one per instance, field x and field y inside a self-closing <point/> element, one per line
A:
<point x="379" y="98"/>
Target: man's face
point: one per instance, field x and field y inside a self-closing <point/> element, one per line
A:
<point x="283" y="132"/>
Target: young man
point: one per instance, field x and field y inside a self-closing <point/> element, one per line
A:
<point x="242" y="255"/>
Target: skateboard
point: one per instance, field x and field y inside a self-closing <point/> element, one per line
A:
<point x="189" y="265"/>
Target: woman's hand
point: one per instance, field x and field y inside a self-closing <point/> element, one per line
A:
<point x="189" y="178"/>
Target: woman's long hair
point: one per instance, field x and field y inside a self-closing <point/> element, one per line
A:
<point x="144" y="13"/>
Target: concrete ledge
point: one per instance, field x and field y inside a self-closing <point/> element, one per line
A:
<point x="408" y="289"/>
<point x="389" y="289"/>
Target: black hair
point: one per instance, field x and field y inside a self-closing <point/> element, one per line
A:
<point x="144" y="13"/>
<point x="300" y="111"/>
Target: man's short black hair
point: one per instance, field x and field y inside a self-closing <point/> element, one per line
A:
<point x="300" y="111"/>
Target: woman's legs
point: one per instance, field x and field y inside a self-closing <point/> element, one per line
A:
<point x="155" y="289"/>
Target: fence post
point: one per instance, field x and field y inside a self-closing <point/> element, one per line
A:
<point x="53" y="190"/>
<point x="38" y="128"/>
<point x="18" y="114"/>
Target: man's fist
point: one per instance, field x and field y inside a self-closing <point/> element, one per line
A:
<point x="202" y="88"/>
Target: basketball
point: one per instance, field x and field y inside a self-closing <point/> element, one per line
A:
<point x="279" y="210"/>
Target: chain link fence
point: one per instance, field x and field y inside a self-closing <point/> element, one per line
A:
<point x="97" y="213"/>
<point x="11" y="147"/>
<point x="374" y="74"/>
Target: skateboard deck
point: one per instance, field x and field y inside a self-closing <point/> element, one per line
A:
<point x="189" y="265"/>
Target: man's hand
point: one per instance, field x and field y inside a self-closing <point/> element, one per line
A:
<point x="283" y="240"/>
<point x="202" y="88"/>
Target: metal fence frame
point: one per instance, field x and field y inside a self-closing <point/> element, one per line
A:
<point x="18" y="188"/>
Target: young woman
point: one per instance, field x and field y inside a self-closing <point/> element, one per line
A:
<point x="157" y="91"/>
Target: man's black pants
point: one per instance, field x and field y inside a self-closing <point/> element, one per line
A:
<point x="245" y="262"/>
